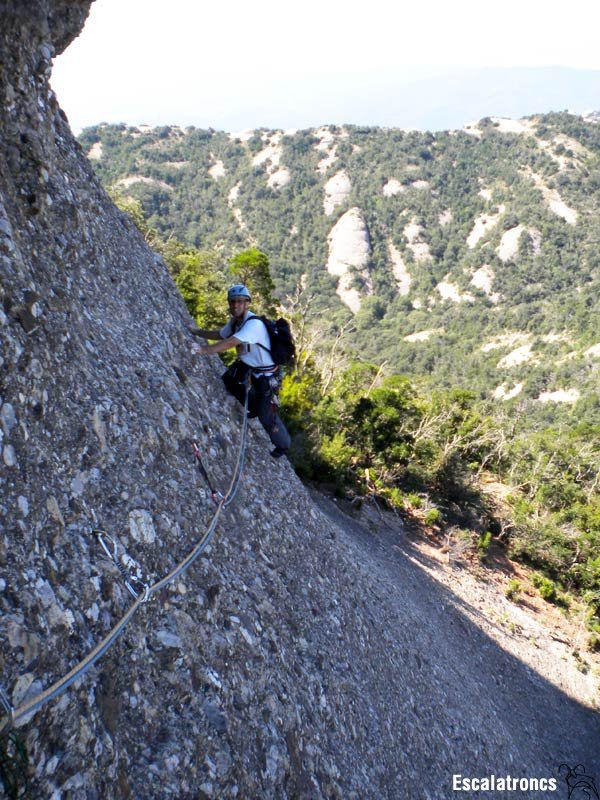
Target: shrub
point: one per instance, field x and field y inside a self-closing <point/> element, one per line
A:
<point x="483" y="544"/>
<point x="594" y="643"/>
<point x="433" y="517"/>
<point x="414" y="500"/>
<point x="545" y="586"/>
<point x="513" y="590"/>
<point x="548" y="590"/>
<point x="537" y="579"/>
<point x="337" y="458"/>
<point x="394" y="497"/>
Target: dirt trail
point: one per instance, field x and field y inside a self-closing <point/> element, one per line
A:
<point x="504" y="670"/>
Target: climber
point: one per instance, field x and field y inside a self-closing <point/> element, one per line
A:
<point x="251" y="340"/>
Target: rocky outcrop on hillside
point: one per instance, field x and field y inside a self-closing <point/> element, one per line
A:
<point x="349" y="250"/>
<point x="286" y="663"/>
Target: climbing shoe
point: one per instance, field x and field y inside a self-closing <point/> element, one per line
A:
<point x="277" y="452"/>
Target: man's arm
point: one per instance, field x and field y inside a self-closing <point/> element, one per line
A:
<point x="205" y="334"/>
<point x="217" y="347"/>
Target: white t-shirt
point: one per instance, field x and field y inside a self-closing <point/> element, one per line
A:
<point x="251" y="333"/>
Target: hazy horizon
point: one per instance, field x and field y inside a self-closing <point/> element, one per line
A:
<point x="427" y="101"/>
<point x="236" y="66"/>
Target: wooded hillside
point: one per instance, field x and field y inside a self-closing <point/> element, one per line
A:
<point x="471" y="255"/>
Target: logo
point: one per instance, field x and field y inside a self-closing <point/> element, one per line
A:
<point x="580" y="785"/>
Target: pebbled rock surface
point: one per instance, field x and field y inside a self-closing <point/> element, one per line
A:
<point x="290" y="662"/>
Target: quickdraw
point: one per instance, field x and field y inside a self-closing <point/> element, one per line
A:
<point x="126" y="565"/>
<point x="215" y="495"/>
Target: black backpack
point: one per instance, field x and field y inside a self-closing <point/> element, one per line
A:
<point x="282" y="349"/>
<point x="281" y="341"/>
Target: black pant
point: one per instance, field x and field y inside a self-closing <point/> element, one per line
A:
<point x="260" y="401"/>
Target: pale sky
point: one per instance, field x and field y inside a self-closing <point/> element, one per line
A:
<point x="229" y="65"/>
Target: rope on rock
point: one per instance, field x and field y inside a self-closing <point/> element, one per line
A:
<point x="32" y="705"/>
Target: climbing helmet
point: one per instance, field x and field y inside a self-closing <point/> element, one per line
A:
<point x="238" y="290"/>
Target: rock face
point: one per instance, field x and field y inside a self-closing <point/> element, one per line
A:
<point x="337" y="190"/>
<point x="282" y="665"/>
<point x="349" y="249"/>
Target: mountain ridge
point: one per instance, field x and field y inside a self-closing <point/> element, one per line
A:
<point x="485" y="232"/>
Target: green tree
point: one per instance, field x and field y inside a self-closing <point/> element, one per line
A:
<point x="251" y="267"/>
<point x="199" y="276"/>
<point x="132" y="207"/>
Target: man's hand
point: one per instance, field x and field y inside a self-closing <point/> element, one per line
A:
<point x="217" y="347"/>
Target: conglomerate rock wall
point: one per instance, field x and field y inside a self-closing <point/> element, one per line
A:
<point x="278" y="666"/>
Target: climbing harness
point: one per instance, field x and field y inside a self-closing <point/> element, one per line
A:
<point x="29" y="707"/>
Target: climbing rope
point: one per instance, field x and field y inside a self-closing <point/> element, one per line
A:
<point x="79" y="670"/>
